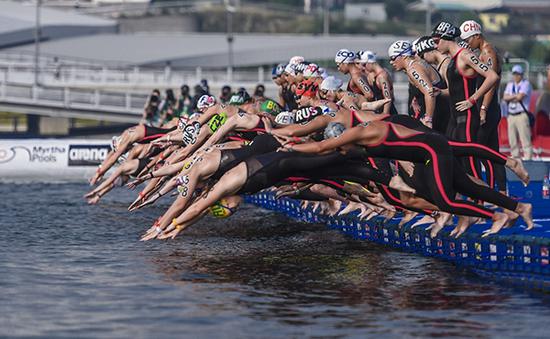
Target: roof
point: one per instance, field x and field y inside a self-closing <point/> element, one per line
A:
<point x="194" y="49"/>
<point x="456" y="5"/>
<point x="17" y="23"/>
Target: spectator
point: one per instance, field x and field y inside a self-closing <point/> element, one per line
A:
<point x="183" y="107"/>
<point x="518" y="94"/>
<point x="204" y="86"/>
<point x="199" y="91"/>
<point x="259" y="92"/>
<point x="225" y="94"/>
<point x="151" y="107"/>
<point x="166" y="108"/>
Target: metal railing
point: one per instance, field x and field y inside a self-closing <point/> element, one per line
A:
<point x="73" y="98"/>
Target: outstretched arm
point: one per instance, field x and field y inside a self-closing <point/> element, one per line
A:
<point x="297" y="130"/>
<point x="350" y="136"/>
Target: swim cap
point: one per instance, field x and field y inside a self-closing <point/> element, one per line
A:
<point x="290" y="70"/>
<point x="271" y="107"/>
<point x="333" y="130"/>
<point x="297" y="59"/>
<point x="424" y="44"/>
<point x="285" y="118"/>
<point x="469" y="28"/>
<point x="206" y="101"/>
<point x="307" y="88"/>
<point x="312" y="70"/>
<point x="366" y="57"/>
<point x="278" y="71"/>
<point x="220" y="209"/>
<point x="300" y="67"/>
<point x="446" y="31"/>
<point x="400" y="48"/>
<point x="331" y="84"/>
<point x="240" y="98"/>
<point x="345" y="56"/>
<point x="306" y="114"/>
<point x="115" y="140"/>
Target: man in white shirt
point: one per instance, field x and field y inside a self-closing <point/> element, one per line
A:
<point x="517" y="95"/>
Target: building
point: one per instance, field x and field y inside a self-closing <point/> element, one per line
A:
<point x="375" y="12"/>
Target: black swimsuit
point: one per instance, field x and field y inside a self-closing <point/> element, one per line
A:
<point x="466" y="128"/>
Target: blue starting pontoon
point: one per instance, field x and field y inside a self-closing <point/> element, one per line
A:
<point x="513" y="254"/>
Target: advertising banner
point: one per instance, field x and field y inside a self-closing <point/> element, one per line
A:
<point x="57" y="159"/>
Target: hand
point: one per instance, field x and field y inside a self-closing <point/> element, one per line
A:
<point x="427" y="121"/>
<point x="463" y="105"/>
<point x="267" y="124"/>
<point x="283" y="139"/>
<point x="94" y="200"/>
<point x="133" y="184"/>
<point x="482" y="116"/>
<point x="434" y="91"/>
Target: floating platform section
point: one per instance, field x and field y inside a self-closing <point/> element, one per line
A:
<point x="515" y="254"/>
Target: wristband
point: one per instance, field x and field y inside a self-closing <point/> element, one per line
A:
<point x="483" y="108"/>
<point x="472" y="100"/>
<point x="176" y="225"/>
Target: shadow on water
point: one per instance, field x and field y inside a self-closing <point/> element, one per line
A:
<point x="68" y="269"/>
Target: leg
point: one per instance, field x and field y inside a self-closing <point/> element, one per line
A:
<point x="524" y="131"/>
<point x="512" y="136"/>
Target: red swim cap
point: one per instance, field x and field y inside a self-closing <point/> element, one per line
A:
<point x="307" y="88"/>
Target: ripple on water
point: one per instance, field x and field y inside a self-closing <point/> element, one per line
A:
<point x="72" y="270"/>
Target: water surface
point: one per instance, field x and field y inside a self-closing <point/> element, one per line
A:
<point x="72" y="270"/>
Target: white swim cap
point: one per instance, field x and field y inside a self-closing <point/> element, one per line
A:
<point x="334" y="130"/>
<point x="289" y="69"/>
<point x="366" y="57"/>
<point x="400" y="48"/>
<point x="345" y="56"/>
<point x="285" y="118"/>
<point x="297" y="59"/>
<point x="206" y="101"/>
<point x="331" y="84"/>
<point x="469" y="28"/>
<point x="312" y="70"/>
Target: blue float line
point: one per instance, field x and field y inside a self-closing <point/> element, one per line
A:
<point x="514" y="254"/>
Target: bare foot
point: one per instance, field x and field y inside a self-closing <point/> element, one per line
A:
<point x="427" y="219"/>
<point x="512" y="218"/>
<point x="408" y="216"/>
<point x="526" y="212"/>
<point x="499" y="220"/>
<point x="397" y="183"/>
<point x="389" y="214"/>
<point x="516" y="165"/>
<point x="462" y="225"/>
<point x="351" y="206"/>
<point x="334" y="207"/>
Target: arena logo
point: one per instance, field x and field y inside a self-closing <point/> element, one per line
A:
<point x="87" y="155"/>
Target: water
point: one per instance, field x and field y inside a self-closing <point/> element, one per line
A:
<point x="72" y="270"/>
